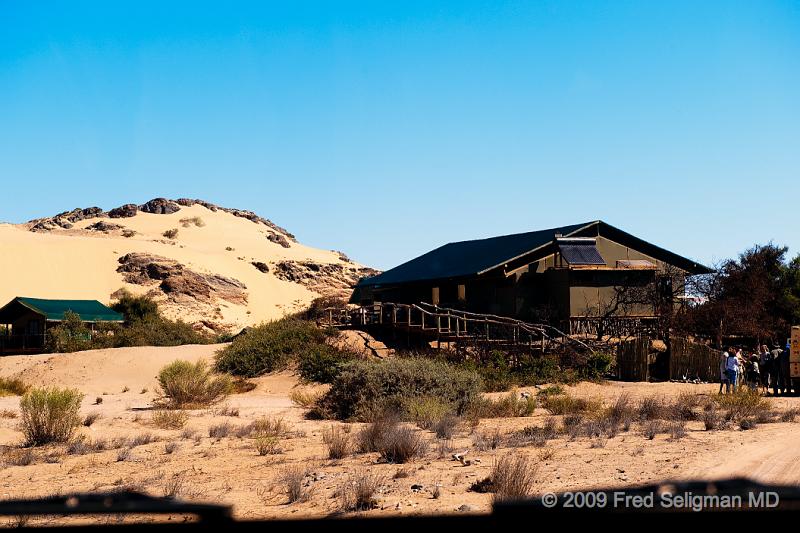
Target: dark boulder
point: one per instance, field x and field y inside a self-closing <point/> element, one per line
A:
<point x="124" y="211"/>
<point x="160" y="206"/>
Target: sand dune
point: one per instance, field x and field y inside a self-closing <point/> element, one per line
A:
<point x="80" y="263"/>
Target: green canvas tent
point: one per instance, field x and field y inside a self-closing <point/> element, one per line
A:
<point x="24" y="321"/>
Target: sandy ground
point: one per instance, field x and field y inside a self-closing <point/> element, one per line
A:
<point x="230" y="471"/>
<point x="81" y="264"/>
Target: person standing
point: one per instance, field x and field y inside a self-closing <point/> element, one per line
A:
<point x="723" y="371"/>
<point x="732" y="371"/>
<point x="765" y="367"/>
<point x="753" y="372"/>
<point x="777" y="370"/>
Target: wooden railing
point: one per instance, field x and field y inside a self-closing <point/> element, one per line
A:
<point x="452" y="325"/>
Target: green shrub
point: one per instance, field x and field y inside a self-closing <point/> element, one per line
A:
<point x="186" y="384"/>
<point x="322" y="363"/>
<point x="568" y="405"/>
<point x="427" y="411"/>
<point x="159" y="331"/>
<point x="49" y="415"/>
<point x="364" y="389"/>
<point x="135" y="308"/>
<point x="269" y="347"/>
<point x="744" y="403"/>
<point x="71" y="335"/>
<point x="598" y="365"/>
<point x="13" y="387"/>
<point x="511" y="405"/>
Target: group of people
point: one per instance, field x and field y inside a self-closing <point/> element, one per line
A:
<point x="762" y="368"/>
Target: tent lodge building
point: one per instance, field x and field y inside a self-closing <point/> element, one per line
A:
<point x="566" y="276"/>
<point x="24" y="321"/>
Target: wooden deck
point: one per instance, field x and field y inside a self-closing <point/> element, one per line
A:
<point x="452" y="326"/>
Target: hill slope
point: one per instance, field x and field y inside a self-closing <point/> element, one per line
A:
<point x="224" y="268"/>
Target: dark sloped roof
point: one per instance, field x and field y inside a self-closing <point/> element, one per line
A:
<point x="468" y="257"/>
<point x="89" y="310"/>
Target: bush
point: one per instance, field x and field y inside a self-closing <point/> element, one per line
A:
<point x="401" y="444"/>
<point x="13" y="387"/>
<point x="371" y="437"/>
<point x="511" y="405"/>
<point x="358" y="493"/>
<point x="566" y="405"/>
<point x="135" y="308"/>
<point x="169" y="419"/>
<point x="71" y="335"/>
<point x="427" y="411"/>
<point x="171" y="233"/>
<point x="446" y="427"/>
<point x="337" y="441"/>
<point x="158" y="331"/>
<point x="652" y="408"/>
<point x="292" y="479"/>
<point x="322" y="363"/>
<point x="49" y="415"/>
<point x="513" y="477"/>
<point x="269" y="347"/>
<point x="743" y="404"/>
<point x="185" y="384"/>
<point x="364" y="389"/>
<point x="598" y="365"/>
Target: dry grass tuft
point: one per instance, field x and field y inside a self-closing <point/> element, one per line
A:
<point x="357" y="494"/>
<point x="220" y="431"/>
<point x="13" y="387"/>
<point x="337" y="442"/>
<point x="513" y="477"/>
<point x="19" y="457"/>
<point x="401" y="445"/>
<point x="292" y="479"/>
<point x="169" y="419"/>
<point x="91" y="418"/>
<point x="564" y="404"/>
<point x="306" y="398"/>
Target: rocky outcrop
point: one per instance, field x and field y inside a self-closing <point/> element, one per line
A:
<point x="157" y="206"/>
<point x="278" y="239"/>
<point x="260" y="266"/>
<point x="66" y="219"/>
<point x="326" y="279"/>
<point x="160" y="206"/>
<point x="105" y="227"/>
<point x="178" y="282"/>
<point x="124" y="211"/>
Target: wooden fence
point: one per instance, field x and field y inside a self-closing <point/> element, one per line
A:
<point x="633" y="359"/>
<point x="690" y="360"/>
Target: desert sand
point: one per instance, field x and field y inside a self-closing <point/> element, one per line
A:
<point x="81" y="264"/>
<point x="229" y="470"/>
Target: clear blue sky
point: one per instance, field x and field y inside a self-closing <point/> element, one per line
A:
<point x="384" y="129"/>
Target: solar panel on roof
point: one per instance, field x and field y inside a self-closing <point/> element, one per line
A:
<point x="581" y="253"/>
